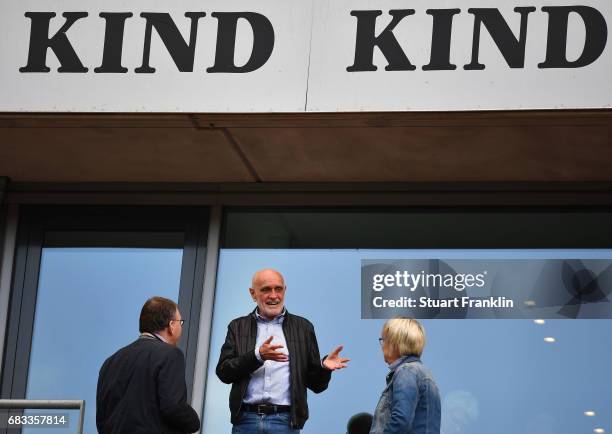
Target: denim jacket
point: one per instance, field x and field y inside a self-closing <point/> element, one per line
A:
<point x="410" y="404"/>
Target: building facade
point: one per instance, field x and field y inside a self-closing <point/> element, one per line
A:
<point x="170" y="150"/>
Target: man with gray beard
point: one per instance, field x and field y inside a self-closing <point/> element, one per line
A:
<point x="270" y="357"/>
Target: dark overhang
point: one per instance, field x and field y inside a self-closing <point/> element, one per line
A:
<point x="407" y="147"/>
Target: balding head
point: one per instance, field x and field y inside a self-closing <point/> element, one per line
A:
<point x="262" y="275"/>
<point x="268" y="291"/>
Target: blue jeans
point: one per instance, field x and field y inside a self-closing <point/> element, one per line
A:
<point x="253" y="423"/>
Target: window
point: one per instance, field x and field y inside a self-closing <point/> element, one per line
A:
<point x="82" y="278"/>
<point x="494" y="375"/>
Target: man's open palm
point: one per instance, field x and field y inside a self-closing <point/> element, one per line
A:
<point x="333" y="361"/>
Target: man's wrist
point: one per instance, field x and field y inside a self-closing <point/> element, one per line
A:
<point x="323" y="365"/>
<point x="257" y="355"/>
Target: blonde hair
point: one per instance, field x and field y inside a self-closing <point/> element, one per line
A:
<point x="404" y="336"/>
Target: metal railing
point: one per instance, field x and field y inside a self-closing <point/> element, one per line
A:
<point x="46" y="404"/>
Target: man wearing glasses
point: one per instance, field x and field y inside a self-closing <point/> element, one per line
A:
<point x="141" y="388"/>
<point x="271" y="357"/>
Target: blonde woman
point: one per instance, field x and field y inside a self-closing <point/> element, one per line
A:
<point x="410" y="404"/>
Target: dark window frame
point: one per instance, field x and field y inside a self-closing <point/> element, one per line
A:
<point x="3" y="223"/>
<point x="36" y="220"/>
<point x="340" y="236"/>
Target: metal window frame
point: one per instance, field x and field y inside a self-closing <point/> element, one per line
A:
<point x="34" y="221"/>
<point x="325" y="241"/>
<point x="6" y="268"/>
<point x="4" y="181"/>
<point x="316" y="194"/>
<point x="206" y="310"/>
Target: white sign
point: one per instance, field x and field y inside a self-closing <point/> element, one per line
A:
<point x="304" y="55"/>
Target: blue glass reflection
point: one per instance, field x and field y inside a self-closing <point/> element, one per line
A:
<point x="495" y="376"/>
<point x="88" y="305"/>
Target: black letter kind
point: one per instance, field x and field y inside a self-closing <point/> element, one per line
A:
<point x="511" y="46"/>
<point x="181" y="51"/>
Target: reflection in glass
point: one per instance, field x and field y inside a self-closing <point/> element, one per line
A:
<point x="88" y="305"/>
<point x="495" y="376"/>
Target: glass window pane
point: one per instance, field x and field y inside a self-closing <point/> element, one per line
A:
<point x="495" y="376"/>
<point x="88" y="305"/>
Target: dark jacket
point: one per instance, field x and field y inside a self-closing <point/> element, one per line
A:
<point x="141" y="390"/>
<point x="238" y="361"/>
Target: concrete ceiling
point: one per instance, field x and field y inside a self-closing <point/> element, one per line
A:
<point x="570" y="146"/>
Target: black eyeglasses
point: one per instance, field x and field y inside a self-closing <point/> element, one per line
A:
<point x="182" y="321"/>
<point x="381" y="341"/>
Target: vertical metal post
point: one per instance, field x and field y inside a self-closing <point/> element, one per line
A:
<point x="81" y="418"/>
<point x="6" y="269"/>
<point x="206" y="310"/>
